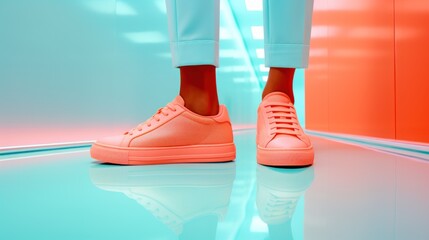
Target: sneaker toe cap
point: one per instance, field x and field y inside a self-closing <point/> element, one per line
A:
<point x="117" y="141"/>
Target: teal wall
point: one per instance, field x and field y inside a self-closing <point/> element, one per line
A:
<point x="78" y="70"/>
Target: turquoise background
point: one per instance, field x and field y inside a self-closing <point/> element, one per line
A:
<point x="83" y="64"/>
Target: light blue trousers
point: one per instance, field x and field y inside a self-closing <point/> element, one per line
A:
<point x="194" y="32"/>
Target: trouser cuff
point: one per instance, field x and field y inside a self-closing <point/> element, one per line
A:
<point x="286" y="55"/>
<point x="195" y="52"/>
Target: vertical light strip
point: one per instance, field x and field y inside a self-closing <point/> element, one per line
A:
<point x="229" y="17"/>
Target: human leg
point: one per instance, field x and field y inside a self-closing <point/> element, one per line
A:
<point x="193" y="127"/>
<point x="194" y="41"/>
<point x="280" y="80"/>
<point x="287" y="27"/>
<point x="280" y="138"/>
<point x="198" y="89"/>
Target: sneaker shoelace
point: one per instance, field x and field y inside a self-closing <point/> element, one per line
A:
<point x="156" y="117"/>
<point x="282" y="118"/>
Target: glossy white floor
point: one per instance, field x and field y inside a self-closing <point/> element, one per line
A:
<point x="350" y="193"/>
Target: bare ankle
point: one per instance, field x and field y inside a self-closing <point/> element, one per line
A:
<point x="201" y="104"/>
<point x="198" y="89"/>
<point x="280" y="80"/>
<point x="288" y="93"/>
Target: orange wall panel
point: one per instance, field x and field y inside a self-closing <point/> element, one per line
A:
<point x="316" y="83"/>
<point x="357" y="69"/>
<point x="412" y="76"/>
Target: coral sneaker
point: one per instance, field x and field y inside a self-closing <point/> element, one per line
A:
<point x="173" y="135"/>
<point x="280" y="139"/>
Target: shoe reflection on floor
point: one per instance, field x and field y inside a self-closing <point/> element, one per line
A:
<point x="278" y="192"/>
<point x="189" y="199"/>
